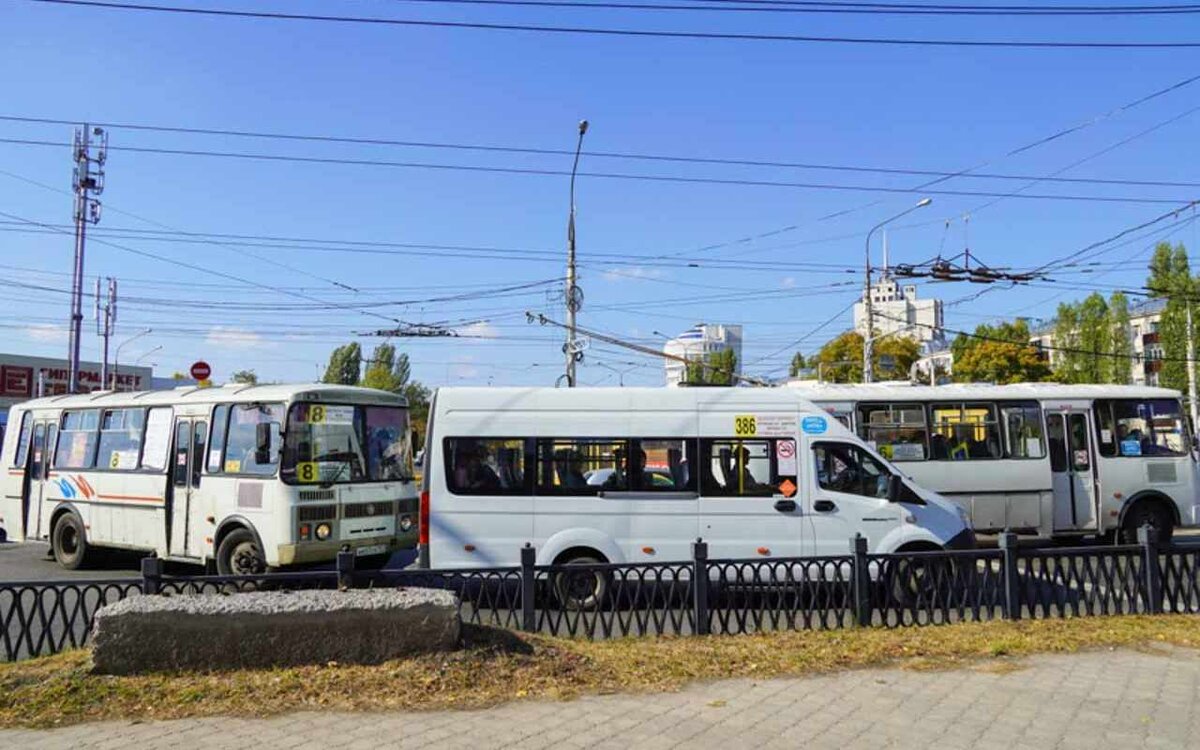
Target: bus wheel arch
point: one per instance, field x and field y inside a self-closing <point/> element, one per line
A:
<point x="1150" y="507"/>
<point x="236" y="538"/>
<point x="912" y="582"/>
<point x="68" y="537"/>
<point x="584" y="591"/>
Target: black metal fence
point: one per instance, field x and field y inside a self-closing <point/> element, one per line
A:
<point x="697" y="596"/>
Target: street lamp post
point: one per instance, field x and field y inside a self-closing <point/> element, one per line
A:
<point x="868" y="340"/>
<point x="147" y="353"/>
<point x="117" y="356"/>
<point x="573" y="297"/>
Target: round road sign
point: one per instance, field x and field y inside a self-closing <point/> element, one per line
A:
<point x="201" y="370"/>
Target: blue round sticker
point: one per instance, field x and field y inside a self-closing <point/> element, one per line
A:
<point x="814" y="425"/>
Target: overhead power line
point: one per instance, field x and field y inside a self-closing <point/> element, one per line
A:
<point x="631" y="156"/>
<point x="778" y="6"/>
<point x="611" y="32"/>
<point x="678" y="179"/>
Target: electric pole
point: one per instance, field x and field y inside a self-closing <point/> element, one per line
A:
<point x="88" y="181"/>
<point x="1193" y="407"/>
<point x="574" y="295"/>
<point x="106" y="319"/>
<point x="869" y="339"/>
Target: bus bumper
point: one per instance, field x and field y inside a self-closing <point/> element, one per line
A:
<point x="315" y="552"/>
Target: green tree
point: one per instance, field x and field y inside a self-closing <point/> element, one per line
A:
<point x="248" y="377"/>
<point x="387" y="370"/>
<point x="841" y="360"/>
<point x="345" y="364"/>
<point x="1121" y="348"/>
<point x="1171" y="279"/>
<point x="1066" y="356"/>
<point x="797" y="365"/>
<point x="998" y="354"/>
<point x="418" y="409"/>
<point x="1095" y="339"/>
<point x="717" y="368"/>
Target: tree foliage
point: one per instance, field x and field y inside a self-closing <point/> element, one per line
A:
<point x="1091" y="339"/>
<point x="247" y="377"/>
<point x="717" y="368"/>
<point x="345" y="365"/>
<point x="797" y="365"/>
<point x="387" y="371"/>
<point x="998" y="354"/>
<point x="841" y="360"/>
<point x="1171" y="279"/>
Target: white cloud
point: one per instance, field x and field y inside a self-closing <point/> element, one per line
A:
<point x="633" y="273"/>
<point x="46" y="332"/>
<point x="233" y="338"/>
<point x="788" y="282"/>
<point x="479" y="330"/>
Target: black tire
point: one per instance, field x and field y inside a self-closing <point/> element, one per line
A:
<point x="68" y="542"/>
<point x="1148" y="513"/>
<point x="583" y="590"/>
<point x="240" y="555"/>
<point x="919" y="581"/>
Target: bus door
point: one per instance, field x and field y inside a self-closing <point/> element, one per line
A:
<point x="37" y="475"/>
<point x="1072" y="470"/>
<point x="188" y="458"/>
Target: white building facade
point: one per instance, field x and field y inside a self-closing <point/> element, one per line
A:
<point x="1144" y="319"/>
<point x="898" y="310"/>
<point x="701" y="341"/>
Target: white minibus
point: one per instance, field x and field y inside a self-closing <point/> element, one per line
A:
<point x="1040" y="458"/>
<point x="240" y="478"/>
<point x="633" y="475"/>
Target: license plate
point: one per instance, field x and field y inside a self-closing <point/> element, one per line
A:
<point x="370" y="549"/>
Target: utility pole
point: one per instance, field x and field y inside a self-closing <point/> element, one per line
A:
<point x="869" y="339"/>
<point x="106" y="318"/>
<point x="574" y="295"/>
<point x="88" y="181"/>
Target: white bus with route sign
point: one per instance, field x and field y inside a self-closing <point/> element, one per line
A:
<point x="242" y="478"/>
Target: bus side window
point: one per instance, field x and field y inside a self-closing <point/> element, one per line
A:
<point x="77" y="440"/>
<point x="23" y="440"/>
<point x="738" y="468"/>
<point x="216" y="446"/>
<point x="582" y="466"/>
<point x="486" y="466"/>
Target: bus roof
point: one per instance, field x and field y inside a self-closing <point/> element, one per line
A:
<point x="231" y="393"/>
<point x="1028" y="391"/>
<point x="601" y="399"/>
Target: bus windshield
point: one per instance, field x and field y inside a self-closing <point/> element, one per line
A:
<point x="339" y="444"/>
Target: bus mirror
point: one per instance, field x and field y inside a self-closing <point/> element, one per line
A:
<point x="262" y="443"/>
<point x="895" y="487"/>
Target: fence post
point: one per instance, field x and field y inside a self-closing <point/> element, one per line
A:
<point x="528" y="590"/>
<point x="861" y="572"/>
<point x="1010" y="576"/>
<point x="345" y="570"/>
<point x="152" y="573"/>
<point x="700" y="586"/>
<point x="1148" y="538"/>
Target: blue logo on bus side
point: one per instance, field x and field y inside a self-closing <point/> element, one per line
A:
<point x="814" y="425"/>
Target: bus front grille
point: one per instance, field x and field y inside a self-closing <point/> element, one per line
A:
<point x="369" y="510"/>
<point x="318" y="495"/>
<point x="316" y="513"/>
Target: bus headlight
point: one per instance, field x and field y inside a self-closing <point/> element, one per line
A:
<point x="323" y="531"/>
<point x="406" y="523"/>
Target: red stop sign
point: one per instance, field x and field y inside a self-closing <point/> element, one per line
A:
<point x="201" y="370"/>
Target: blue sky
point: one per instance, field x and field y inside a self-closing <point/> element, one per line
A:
<point x="889" y="107"/>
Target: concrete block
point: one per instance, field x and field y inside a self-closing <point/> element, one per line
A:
<point x="267" y="629"/>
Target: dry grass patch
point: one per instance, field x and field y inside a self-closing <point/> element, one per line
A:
<point x="497" y="667"/>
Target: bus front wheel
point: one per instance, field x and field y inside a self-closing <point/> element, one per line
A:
<point x="1151" y="514"/>
<point x="240" y="555"/>
<point x="582" y="590"/>
<point x="69" y="542"/>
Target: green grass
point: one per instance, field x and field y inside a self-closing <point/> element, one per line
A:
<point x="497" y="666"/>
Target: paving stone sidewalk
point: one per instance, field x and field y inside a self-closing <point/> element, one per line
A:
<point x="1121" y="699"/>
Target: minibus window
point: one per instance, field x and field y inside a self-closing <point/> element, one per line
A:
<point x="897" y="430"/>
<point x="666" y="466"/>
<point x="77" y="440"/>
<point x="486" y="466"/>
<point x="582" y="466"/>
<point x="1022" y="430"/>
<point x="1153" y="427"/>
<point x="23" y="440"/>
<point x="964" y="432"/>
<point x="121" y="438"/>
<point x="846" y="468"/>
<point x="739" y="468"/>
<point x="217" y="445"/>
<point x="241" y="444"/>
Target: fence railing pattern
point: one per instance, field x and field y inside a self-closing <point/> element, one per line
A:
<point x="697" y="596"/>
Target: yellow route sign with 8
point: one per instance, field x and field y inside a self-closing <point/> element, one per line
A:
<point x="745" y="425"/>
<point x="308" y="472"/>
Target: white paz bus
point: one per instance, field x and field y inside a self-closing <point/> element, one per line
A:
<point x="628" y="475"/>
<point x="1040" y="458"/>
<point x="241" y="478"/>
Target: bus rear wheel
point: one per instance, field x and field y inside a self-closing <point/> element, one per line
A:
<point x="69" y="542"/>
<point x="1150" y="514"/>
<point x="581" y="590"/>
<point x="240" y="555"/>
